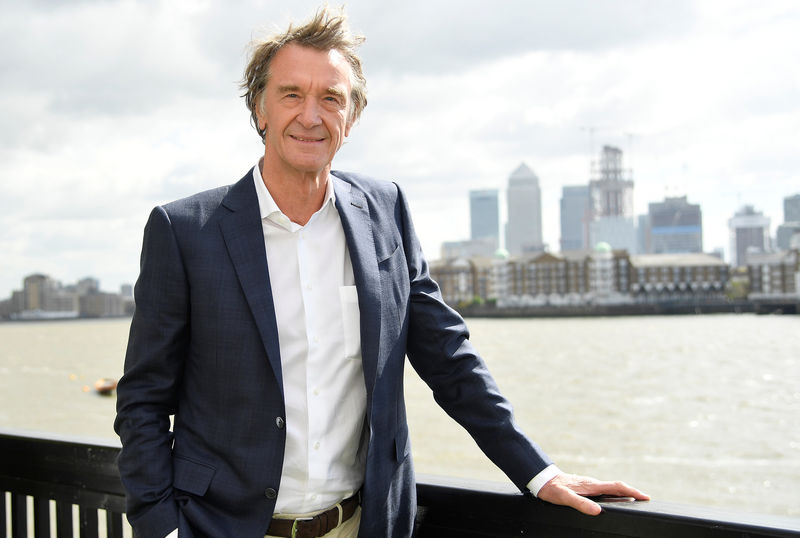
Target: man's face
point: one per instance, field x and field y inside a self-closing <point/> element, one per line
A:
<point x="304" y="109"/>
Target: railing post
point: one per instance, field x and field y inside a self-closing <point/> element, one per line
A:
<point x="41" y="517"/>
<point x="19" y="515"/>
<point x="113" y="524"/>
<point x="63" y="520"/>
<point x="3" y="514"/>
<point x="88" y="522"/>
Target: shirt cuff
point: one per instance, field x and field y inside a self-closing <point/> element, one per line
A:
<point x="173" y="534"/>
<point x="544" y="476"/>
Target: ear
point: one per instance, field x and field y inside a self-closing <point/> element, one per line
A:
<point x="260" y="116"/>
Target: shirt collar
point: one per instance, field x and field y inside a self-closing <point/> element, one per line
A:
<point x="270" y="210"/>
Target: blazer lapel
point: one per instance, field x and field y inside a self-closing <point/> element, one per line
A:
<point x="354" y="212"/>
<point x="244" y="239"/>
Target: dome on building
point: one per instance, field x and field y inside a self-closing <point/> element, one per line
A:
<point x="501" y="254"/>
<point x="602" y="246"/>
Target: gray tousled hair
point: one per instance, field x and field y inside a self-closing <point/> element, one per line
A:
<point x="327" y="30"/>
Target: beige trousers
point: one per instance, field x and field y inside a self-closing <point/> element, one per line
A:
<point x="348" y="529"/>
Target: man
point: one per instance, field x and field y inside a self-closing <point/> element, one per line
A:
<point x="273" y="317"/>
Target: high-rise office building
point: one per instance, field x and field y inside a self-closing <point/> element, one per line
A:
<point x="524" y="200"/>
<point x="611" y="186"/>
<point x="611" y="199"/>
<point x="484" y="215"/>
<point x="791" y="208"/>
<point x="788" y="234"/>
<point x="749" y="232"/>
<point x="575" y="216"/>
<point x="676" y="226"/>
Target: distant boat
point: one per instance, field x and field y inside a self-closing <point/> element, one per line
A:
<point x="105" y="385"/>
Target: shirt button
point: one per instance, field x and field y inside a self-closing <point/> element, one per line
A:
<point x="279" y="422"/>
<point x="316" y="445"/>
<point x="270" y="493"/>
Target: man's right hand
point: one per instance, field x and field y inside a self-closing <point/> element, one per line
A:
<point x="572" y="490"/>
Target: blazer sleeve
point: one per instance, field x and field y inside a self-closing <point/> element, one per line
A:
<point x="439" y="350"/>
<point x="147" y="394"/>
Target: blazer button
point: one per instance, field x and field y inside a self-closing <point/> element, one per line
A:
<point x="270" y="493"/>
<point x="280" y="423"/>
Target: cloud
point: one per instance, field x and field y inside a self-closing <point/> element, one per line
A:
<point x="110" y="107"/>
<point x="435" y="37"/>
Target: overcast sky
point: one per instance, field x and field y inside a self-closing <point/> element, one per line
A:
<point x="108" y="108"/>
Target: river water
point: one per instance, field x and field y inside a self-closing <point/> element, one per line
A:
<point x="691" y="409"/>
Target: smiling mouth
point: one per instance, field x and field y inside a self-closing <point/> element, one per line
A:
<point x="306" y="139"/>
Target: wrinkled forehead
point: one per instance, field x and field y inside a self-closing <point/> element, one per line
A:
<point x="300" y="66"/>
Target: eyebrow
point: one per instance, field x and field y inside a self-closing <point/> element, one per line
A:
<point x="288" y="88"/>
<point x="336" y="92"/>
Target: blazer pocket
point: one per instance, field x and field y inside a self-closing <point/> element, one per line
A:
<point x="351" y="321"/>
<point x="191" y="476"/>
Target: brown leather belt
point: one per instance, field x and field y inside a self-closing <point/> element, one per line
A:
<point x="316" y="526"/>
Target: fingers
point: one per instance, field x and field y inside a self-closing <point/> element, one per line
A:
<point x="584" y="505"/>
<point x="559" y="494"/>
<point x="618" y="489"/>
<point x="571" y="490"/>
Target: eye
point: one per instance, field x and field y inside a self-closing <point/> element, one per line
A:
<point x="333" y="100"/>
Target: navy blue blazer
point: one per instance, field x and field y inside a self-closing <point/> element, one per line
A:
<point x="203" y="347"/>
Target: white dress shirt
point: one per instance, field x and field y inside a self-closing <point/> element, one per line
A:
<point x="316" y="306"/>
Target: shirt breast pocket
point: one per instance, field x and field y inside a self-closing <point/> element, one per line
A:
<point x="351" y="321"/>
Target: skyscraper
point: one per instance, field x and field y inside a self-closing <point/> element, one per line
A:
<point x="611" y="188"/>
<point x="484" y="215"/>
<point x="575" y="216"/>
<point x="791" y="208"/>
<point x="611" y="199"/>
<point x="749" y="232"/>
<point x="676" y="226"/>
<point x="788" y="233"/>
<point x="524" y="199"/>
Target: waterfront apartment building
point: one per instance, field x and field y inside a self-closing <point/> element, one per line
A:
<point x="464" y="280"/>
<point x="575" y="217"/>
<point x="674" y="226"/>
<point x="677" y="277"/>
<point x="749" y="234"/>
<point x="575" y="277"/>
<point x="598" y="276"/>
<point x="484" y="215"/>
<point x="43" y="297"/>
<point x="524" y="204"/>
<point x="774" y="274"/>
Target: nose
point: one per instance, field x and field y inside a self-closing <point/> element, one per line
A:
<point x="309" y="114"/>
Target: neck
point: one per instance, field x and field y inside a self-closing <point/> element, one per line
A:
<point x="298" y="195"/>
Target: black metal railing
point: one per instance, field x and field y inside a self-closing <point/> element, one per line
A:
<point x="55" y="486"/>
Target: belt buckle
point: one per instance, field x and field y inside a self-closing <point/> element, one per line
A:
<point x="295" y="522"/>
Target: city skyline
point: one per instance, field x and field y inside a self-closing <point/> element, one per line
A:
<point x="697" y="95"/>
